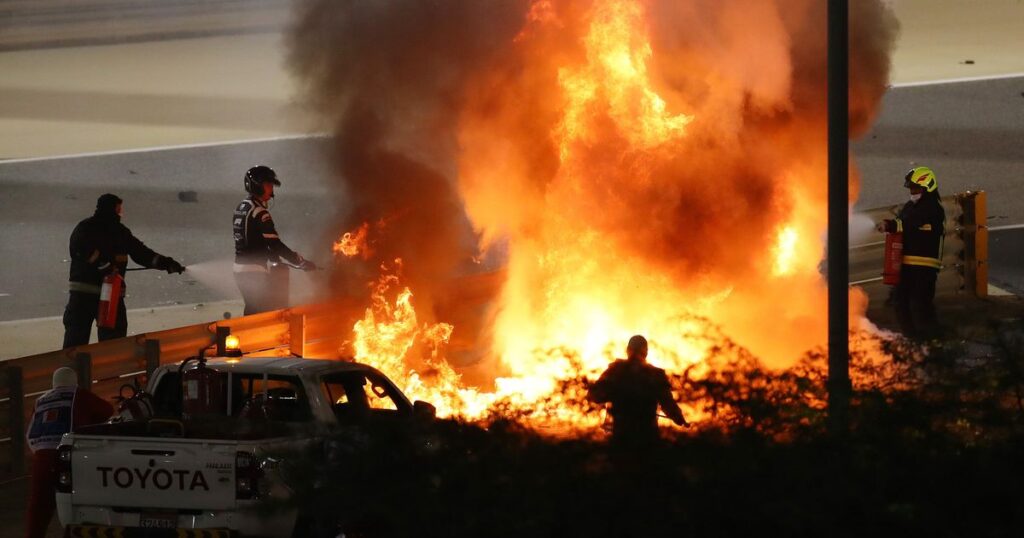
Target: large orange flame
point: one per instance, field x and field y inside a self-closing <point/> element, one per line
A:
<point x="629" y="193"/>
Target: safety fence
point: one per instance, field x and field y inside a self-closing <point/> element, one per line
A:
<point x="312" y="331"/>
<point x="321" y="330"/>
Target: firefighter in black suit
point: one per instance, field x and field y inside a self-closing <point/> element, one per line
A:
<point x="922" y="223"/>
<point x="99" y="245"/>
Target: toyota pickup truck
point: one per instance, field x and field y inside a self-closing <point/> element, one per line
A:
<point x="174" y="476"/>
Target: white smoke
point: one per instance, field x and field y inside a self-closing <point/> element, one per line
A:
<point x="216" y="276"/>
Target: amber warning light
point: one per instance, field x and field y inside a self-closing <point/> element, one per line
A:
<point x="232" y="346"/>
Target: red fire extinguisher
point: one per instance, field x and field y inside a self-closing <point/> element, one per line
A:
<point x="110" y="296"/>
<point x="893" y="258"/>
<point x="202" y="390"/>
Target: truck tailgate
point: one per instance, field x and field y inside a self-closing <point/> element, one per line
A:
<point x="153" y="473"/>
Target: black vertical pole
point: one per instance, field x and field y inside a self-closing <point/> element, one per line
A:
<point x="222" y="335"/>
<point x="152" y="357"/>
<point x="838" y="215"/>
<point x="83" y="366"/>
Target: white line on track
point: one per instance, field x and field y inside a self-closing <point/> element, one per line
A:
<point x="1006" y="227"/>
<point x="166" y="148"/>
<point x="956" y="80"/>
<point x="5" y="482"/>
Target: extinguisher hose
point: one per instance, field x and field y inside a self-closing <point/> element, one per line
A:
<point x="185" y="362"/>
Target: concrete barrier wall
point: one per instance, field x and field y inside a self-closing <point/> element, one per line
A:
<point x="50" y="23"/>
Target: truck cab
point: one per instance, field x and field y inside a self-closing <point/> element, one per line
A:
<point x="175" y="472"/>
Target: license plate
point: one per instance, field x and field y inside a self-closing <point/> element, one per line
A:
<point x="158" y="521"/>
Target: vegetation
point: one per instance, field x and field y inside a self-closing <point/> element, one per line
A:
<point x="934" y="448"/>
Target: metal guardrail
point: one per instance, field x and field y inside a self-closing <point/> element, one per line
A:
<point x="320" y="330"/>
<point x="314" y="331"/>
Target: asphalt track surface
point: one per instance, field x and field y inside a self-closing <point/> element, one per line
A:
<point x="971" y="133"/>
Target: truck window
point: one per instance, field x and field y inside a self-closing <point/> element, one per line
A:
<point x="276" y="398"/>
<point x="355" y="394"/>
<point x="378" y="395"/>
<point x="167" y="395"/>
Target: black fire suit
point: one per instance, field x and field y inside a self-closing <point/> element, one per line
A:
<point x="256" y="246"/>
<point x="101" y="244"/>
<point x="635" y="389"/>
<point x="923" y="226"/>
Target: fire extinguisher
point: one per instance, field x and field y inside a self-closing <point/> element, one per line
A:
<point x="110" y="296"/>
<point x="893" y="258"/>
<point x="202" y="390"/>
<point x="136" y="407"/>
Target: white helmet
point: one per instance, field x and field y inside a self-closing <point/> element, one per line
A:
<point x="65" y="377"/>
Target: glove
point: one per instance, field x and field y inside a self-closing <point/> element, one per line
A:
<point x="307" y="265"/>
<point x="882" y="225"/>
<point x="172" y="266"/>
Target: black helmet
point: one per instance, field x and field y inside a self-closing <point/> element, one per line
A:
<point x="256" y="176"/>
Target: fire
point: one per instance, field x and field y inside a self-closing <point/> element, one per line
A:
<point x="628" y="177"/>
<point x="580" y="304"/>
<point x="785" y="252"/>
<point x="616" y="72"/>
<point x="390" y="329"/>
<point x="388" y="333"/>
<point x="354" y="243"/>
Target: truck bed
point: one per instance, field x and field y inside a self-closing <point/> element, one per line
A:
<point x="232" y="429"/>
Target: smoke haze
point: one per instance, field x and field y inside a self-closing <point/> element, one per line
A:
<point x="620" y="161"/>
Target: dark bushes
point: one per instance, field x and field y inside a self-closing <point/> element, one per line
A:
<point x="935" y="449"/>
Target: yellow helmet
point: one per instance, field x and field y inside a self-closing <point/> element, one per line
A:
<point x="921" y="176"/>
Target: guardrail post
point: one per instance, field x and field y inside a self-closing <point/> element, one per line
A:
<point x="297" y="335"/>
<point x="152" y="350"/>
<point x="83" y="365"/>
<point x="980" y="244"/>
<point x="974" y="234"/>
<point x="16" y="392"/>
<point x="222" y="334"/>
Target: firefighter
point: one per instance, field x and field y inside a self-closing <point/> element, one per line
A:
<point x="57" y="411"/>
<point x="258" y="249"/>
<point x="99" y="245"/>
<point x="922" y="223"/>
<point x="635" y="389"/>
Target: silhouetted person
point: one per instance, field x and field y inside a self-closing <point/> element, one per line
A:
<point x="635" y="389"/>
